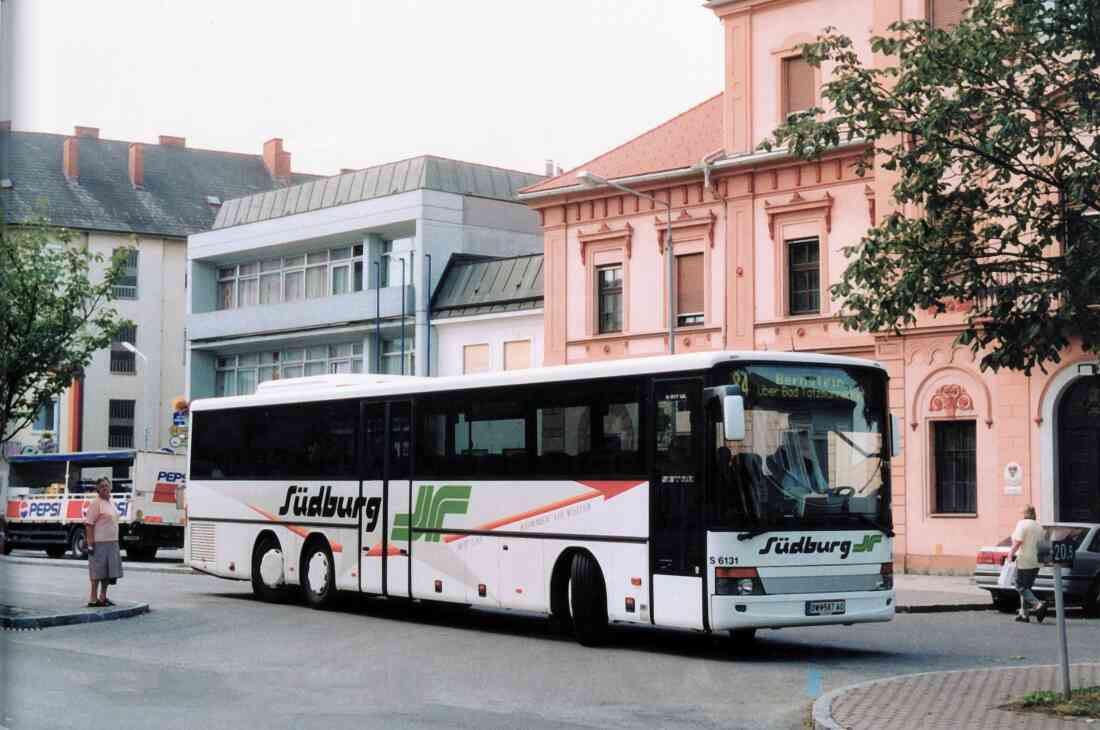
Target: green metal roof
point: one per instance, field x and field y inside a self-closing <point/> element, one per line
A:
<point x="472" y="287"/>
<point x="418" y="173"/>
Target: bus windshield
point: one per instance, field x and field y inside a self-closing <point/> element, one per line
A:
<point x="813" y="456"/>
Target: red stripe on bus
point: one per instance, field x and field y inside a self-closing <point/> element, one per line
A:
<point x="336" y="547"/>
<point x="605" y="489"/>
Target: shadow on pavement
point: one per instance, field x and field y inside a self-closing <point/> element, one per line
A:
<point x="770" y="646"/>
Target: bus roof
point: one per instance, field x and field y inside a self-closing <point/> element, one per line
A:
<point x="335" y="387"/>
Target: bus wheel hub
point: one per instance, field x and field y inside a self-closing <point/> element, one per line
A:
<point x="271" y="568"/>
<point x="318" y="572"/>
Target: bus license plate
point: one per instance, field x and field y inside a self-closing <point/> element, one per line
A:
<point x="824" y="608"/>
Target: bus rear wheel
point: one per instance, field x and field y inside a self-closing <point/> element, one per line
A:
<point x="267" y="570"/>
<point x="318" y="576"/>
<point x="587" y="600"/>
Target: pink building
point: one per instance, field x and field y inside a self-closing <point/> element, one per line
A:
<point x="757" y="240"/>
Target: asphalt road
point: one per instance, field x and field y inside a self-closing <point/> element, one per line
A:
<point x="209" y="656"/>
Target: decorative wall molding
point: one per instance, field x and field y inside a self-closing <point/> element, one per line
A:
<point x="606" y="233"/>
<point x="686" y="227"/>
<point x="798" y="204"/>
<point x="869" y="193"/>
<point x="949" y="399"/>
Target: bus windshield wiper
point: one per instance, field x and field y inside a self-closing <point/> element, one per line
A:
<point x="872" y="523"/>
<point x="754" y="532"/>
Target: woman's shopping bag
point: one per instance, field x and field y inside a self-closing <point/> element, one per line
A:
<point x="1007" y="578"/>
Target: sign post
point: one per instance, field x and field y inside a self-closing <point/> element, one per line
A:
<point x="1062" y="553"/>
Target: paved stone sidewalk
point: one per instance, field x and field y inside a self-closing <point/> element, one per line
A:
<point x="939" y="593"/>
<point x="950" y="700"/>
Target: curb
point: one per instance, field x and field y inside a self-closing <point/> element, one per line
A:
<point x="945" y="608"/>
<point x="180" y="569"/>
<point x="65" y="619"/>
<point x="823" y="705"/>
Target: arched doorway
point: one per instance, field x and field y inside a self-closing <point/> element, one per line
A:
<point x="1079" y="452"/>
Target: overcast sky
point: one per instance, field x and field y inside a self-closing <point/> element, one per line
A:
<point x="350" y="83"/>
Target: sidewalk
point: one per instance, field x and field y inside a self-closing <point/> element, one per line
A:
<point x="19" y="557"/>
<point x="939" y="593"/>
<point x="949" y="700"/>
<point x="24" y="610"/>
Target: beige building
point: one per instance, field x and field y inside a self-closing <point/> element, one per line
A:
<point x="147" y="198"/>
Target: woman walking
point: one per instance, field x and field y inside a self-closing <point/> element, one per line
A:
<point x="101" y="532"/>
<point x="1025" y="551"/>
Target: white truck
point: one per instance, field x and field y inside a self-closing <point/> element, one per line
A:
<point x="48" y="495"/>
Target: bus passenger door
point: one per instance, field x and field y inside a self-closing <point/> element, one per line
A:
<point x="676" y="504"/>
<point x="399" y="515"/>
<point x="372" y="523"/>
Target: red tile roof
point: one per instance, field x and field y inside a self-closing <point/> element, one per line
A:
<point x="680" y="142"/>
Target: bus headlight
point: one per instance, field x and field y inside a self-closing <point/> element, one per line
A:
<point x="737" y="582"/>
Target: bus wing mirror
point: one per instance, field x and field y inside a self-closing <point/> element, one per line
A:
<point x="733" y="417"/>
<point x="895" y="436"/>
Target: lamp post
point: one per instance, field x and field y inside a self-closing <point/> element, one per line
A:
<point x="149" y="409"/>
<point x="592" y="180"/>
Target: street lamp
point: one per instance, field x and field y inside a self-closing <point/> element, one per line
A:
<point x="148" y="400"/>
<point x="592" y="180"/>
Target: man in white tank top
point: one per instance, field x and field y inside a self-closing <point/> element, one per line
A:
<point x="1025" y="551"/>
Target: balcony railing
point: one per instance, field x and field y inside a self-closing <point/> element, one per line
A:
<point x="124" y="292"/>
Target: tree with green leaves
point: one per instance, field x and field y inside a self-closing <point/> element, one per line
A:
<point x="992" y="130"/>
<point x="55" y="314"/>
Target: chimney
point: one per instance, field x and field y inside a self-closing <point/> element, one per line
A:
<point x="172" y="141"/>
<point x="557" y="169"/>
<point x="549" y="168"/>
<point x="137" y="165"/>
<point x="70" y="158"/>
<point x="89" y="132"/>
<point x="276" y="160"/>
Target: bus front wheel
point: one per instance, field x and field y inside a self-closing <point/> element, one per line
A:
<point x="318" y="576"/>
<point x="587" y="600"/>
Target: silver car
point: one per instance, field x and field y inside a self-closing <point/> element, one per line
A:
<point x="1081" y="582"/>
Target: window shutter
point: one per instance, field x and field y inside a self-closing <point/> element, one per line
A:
<point x="517" y="355"/>
<point x="689" y="284"/>
<point x="800" y="84"/>
<point x="946" y="14"/>
<point x="475" y="359"/>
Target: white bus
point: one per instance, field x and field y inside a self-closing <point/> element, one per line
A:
<point x="717" y="492"/>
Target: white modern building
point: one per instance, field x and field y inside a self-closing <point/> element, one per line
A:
<point x="487" y="314"/>
<point x="146" y="198"/>
<point x="336" y="275"/>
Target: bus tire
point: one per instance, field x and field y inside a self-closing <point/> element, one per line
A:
<point x="8" y="547"/>
<point x="587" y="600"/>
<point x="318" y="575"/>
<point x="267" y="544"/>
<point x="141" y="552"/>
<point x="78" y="542"/>
<point x="56" y="551"/>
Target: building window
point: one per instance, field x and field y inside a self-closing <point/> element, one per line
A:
<point x="955" y="466"/>
<point x="291" y="278"/>
<point x="804" y="272"/>
<point x="122" y="360"/>
<point x="689" y="289"/>
<point x="946" y="14"/>
<point x="45" y="418"/>
<point x="120" y="424"/>
<point x="127" y="286"/>
<point x="517" y="355"/>
<point x="475" y="359"/>
<point x="799" y="93"/>
<point x="240" y="374"/>
<point x="609" y="295"/>
<point x="391" y="354"/>
<point x="392" y="254"/>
